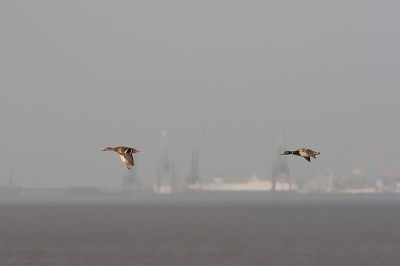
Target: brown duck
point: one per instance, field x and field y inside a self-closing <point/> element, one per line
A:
<point x="126" y="154"/>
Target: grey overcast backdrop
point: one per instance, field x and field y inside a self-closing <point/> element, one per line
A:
<point x="77" y="76"/>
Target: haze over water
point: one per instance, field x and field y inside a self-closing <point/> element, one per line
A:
<point x="76" y="77"/>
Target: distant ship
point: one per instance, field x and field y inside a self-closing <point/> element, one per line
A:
<point x="161" y="189"/>
<point x="253" y="184"/>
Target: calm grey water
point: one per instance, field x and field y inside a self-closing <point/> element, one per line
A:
<point x="205" y="229"/>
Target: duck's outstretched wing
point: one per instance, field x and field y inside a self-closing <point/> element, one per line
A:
<point x="311" y="153"/>
<point x="307" y="158"/>
<point x="127" y="159"/>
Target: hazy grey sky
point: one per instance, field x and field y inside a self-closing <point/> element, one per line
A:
<point x="78" y="76"/>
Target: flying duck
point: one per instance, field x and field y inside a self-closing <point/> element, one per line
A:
<point x="126" y="154"/>
<point x="305" y="153"/>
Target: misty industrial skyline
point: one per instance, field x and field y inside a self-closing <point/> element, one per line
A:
<point x="76" y="77"/>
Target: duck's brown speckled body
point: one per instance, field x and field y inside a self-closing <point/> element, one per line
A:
<point x="126" y="154"/>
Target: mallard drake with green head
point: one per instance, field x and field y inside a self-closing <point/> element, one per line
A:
<point x="305" y="153"/>
<point x="125" y="153"/>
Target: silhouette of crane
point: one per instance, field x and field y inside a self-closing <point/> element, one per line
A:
<point x="280" y="166"/>
<point x="166" y="167"/>
<point x="358" y="169"/>
<point x="193" y="177"/>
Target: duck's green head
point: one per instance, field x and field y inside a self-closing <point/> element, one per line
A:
<point x="286" y="153"/>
